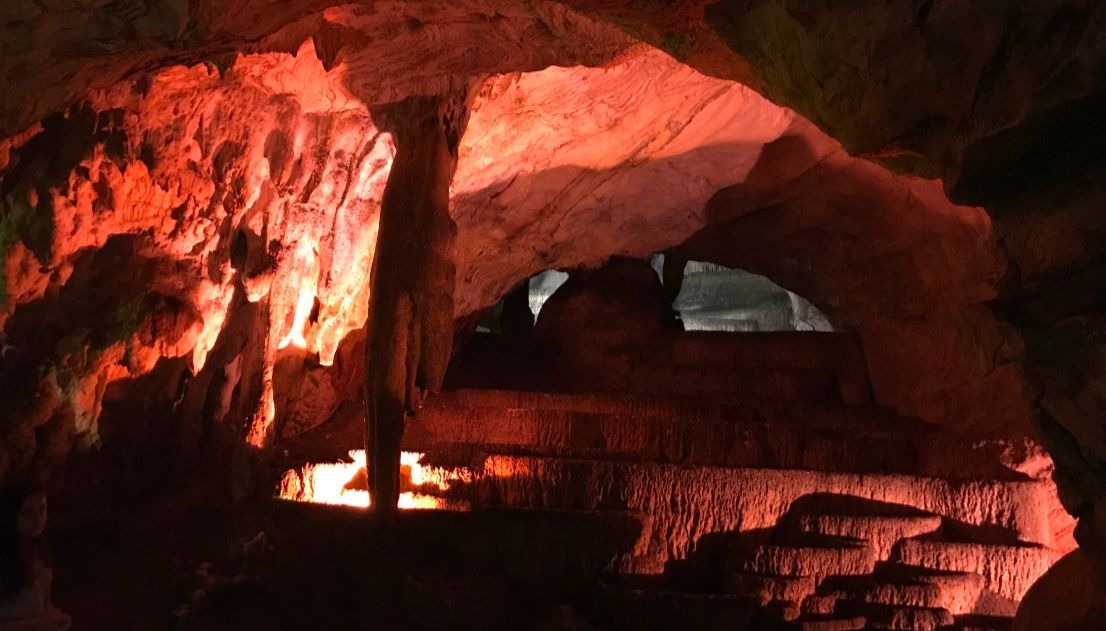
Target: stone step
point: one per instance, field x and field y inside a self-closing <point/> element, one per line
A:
<point x="821" y="604"/>
<point x="466" y="408"/>
<point x="881" y="531"/>
<point x="838" y="445"/>
<point x="983" y="623"/>
<point x="881" y="616"/>
<point x="542" y="549"/>
<point x="1007" y="570"/>
<point x="837" y="353"/>
<point x="650" y="403"/>
<point x="651" y="564"/>
<point x="688" y="503"/>
<point x="691" y="431"/>
<point x="959" y="591"/>
<point x="817" y="562"/>
<point x="903" y="595"/>
<point x="770" y="588"/>
<point x="780" y="349"/>
<point x="778" y="384"/>
<point x="490" y="360"/>
<point x="456" y="425"/>
<point x="833" y="623"/>
<point x="654" y="405"/>
<point x="621" y="607"/>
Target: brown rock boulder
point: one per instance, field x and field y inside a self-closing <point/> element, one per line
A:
<point x="1069" y="597"/>
<point x="598" y="321"/>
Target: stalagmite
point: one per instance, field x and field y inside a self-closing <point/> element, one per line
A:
<point x="410" y="325"/>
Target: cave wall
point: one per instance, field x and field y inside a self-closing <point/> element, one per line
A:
<point x="1000" y="100"/>
<point x="1003" y="101"/>
<point x="889" y="257"/>
<point x="244" y="188"/>
<point x="250" y="199"/>
<point x="210" y="193"/>
<point x="227" y="158"/>
<point x="61" y="50"/>
<point x="746" y="184"/>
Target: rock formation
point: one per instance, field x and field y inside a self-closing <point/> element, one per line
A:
<point x="411" y="312"/>
<point x="283" y="215"/>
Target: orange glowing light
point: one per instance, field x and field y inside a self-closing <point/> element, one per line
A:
<point x="263" y="418"/>
<point x="305" y="274"/>
<point x="299" y="322"/>
<point x="342" y="483"/>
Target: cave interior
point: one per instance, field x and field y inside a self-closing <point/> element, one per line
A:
<point x="559" y="315"/>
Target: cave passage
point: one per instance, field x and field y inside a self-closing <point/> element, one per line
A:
<point x="710" y="298"/>
<point x="716" y="298"/>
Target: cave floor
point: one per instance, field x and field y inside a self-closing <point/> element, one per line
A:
<point x="755" y="498"/>
<point x="770" y="496"/>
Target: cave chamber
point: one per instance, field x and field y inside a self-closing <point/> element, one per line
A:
<point x="752" y="314"/>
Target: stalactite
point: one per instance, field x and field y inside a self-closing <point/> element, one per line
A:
<point x="410" y="325"/>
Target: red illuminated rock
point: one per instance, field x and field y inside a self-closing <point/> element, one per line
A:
<point x="835" y="624"/>
<point x="881" y="532"/>
<point x="770" y="588"/>
<point x="223" y="207"/>
<point x="265" y="189"/>
<point x="1008" y="571"/>
<point x="958" y="592"/>
<point x="880" y="616"/>
<point x="747" y="499"/>
<point x="1010" y="131"/>
<point x="817" y="562"/>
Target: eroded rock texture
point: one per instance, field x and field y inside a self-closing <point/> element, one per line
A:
<point x="388" y="51"/>
<point x="242" y="185"/>
<point x="201" y="191"/>
<point x="751" y="185"/>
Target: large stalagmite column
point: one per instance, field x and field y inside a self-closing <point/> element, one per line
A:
<point x="410" y="325"/>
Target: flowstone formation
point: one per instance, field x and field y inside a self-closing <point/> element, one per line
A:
<point x="171" y="213"/>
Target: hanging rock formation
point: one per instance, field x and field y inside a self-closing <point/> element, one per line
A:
<point x="410" y="327"/>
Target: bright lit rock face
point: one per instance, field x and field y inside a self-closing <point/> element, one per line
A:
<point x="758" y="187"/>
<point x="258" y="187"/>
<point x="566" y="166"/>
<point x="248" y="185"/>
<point x="1001" y="101"/>
<point x="259" y="190"/>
